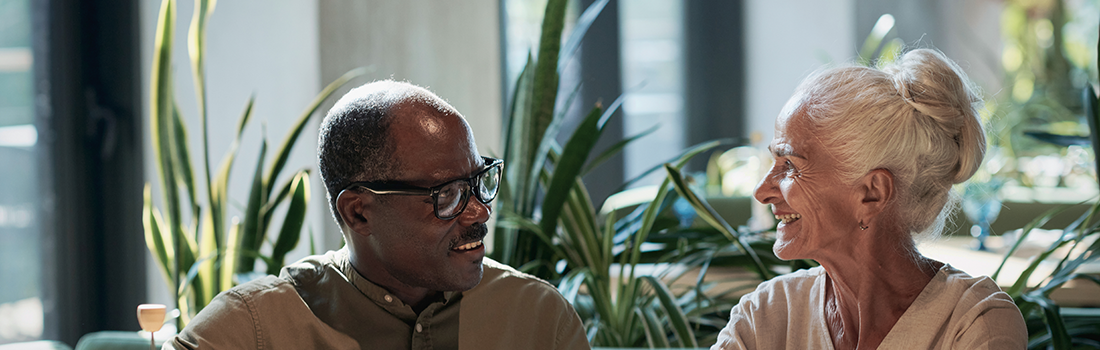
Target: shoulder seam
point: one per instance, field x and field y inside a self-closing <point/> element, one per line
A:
<point x="253" y="317"/>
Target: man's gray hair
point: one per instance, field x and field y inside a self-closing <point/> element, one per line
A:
<point x="354" y="143"/>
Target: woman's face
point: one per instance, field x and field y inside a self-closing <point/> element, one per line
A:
<point x="814" y="208"/>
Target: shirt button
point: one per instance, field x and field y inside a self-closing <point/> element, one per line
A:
<point x="388" y="298"/>
<point x="419" y="328"/>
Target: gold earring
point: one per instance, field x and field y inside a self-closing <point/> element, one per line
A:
<point x="861" y="226"/>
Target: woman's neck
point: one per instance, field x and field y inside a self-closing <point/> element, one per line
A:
<point x="869" y="287"/>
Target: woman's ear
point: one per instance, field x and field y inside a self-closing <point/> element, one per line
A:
<point x="352" y="207"/>
<point x="876" y="190"/>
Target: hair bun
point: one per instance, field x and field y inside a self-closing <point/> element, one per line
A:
<point x="936" y="87"/>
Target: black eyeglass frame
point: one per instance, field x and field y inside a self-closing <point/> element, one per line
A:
<point x="474" y="182"/>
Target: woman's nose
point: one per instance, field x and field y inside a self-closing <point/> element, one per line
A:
<point x="767" y="191"/>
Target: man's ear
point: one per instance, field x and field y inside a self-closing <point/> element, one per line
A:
<point x="875" y="191"/>
<point x="352" y="207"/>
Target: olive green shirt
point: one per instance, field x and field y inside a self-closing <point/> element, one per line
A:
<point x="321" y="302"/>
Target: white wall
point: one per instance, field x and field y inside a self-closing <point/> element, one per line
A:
<point x="784" y="45"/>
<point x="450" y="47"/>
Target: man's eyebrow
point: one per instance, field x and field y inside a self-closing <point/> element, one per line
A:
<point x="784" y="151"/>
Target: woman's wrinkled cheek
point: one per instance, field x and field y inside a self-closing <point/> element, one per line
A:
<point x="806" y="199"/>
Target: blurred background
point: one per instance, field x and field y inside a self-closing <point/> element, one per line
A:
<point x="75" y="148"/>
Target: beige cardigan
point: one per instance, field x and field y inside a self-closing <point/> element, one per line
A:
<point x="954" y="311"/>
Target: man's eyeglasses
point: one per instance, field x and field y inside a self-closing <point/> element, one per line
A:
<point x="450" y="198"/>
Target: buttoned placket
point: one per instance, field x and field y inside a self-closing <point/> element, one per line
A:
<point x="420" y="325"/>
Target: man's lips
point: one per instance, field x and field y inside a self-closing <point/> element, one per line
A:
<point x="471" y="239"/>
<point x="469" y="246"/>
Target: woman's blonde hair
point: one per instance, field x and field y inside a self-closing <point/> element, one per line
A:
<point x="916" y="117"/>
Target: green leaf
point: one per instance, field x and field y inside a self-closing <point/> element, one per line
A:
<point x="581" y="234"/>
<point x="292" y="224"/>
<point x="183" y="159"/>
<point x="571" y="283"/>
<point x="649" y="217"/>
<point x="160" y="122"/>
<point x="677" y="320"/>
<point x="890" y="51"/>
<point x="312" y="243"/>
<point x="196" y="45"/>
<point x="651" y="324"/>
<point x="232" y="254"/>
<point x="208" y="246"/>
<point x="520" y="104"/>
<point x="708" y="214"/>
<point x="1037" y="222"/>
<point x="513" y="189"/>
<point x="1021" y="283"/>
<point x="615" y="149"/>
<point x="154" y="236"/>
<point x="549" y="141"/>
<point x="193" y="277"/>
<point x="545" y="84"/>
<point x="269" y="208"/>
<point x="518" y="145"/>
<point x="252" y="235"/>
<point x="882" y="27"/>
<point x="580" y="28"/>
<point x="283" y="153"/>
<point x="187" y="256"/>
<point x="680" y="159"/>
<point x="220" y="184"/>
<point x="511" y="219"/>
<point x="567" y="170"/>
<point x="1053" y="320"/>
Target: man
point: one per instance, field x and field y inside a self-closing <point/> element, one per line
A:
<point x="412" y="195"/>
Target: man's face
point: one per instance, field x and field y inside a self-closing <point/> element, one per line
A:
<point x="418" y="249"/>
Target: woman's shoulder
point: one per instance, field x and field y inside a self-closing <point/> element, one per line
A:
<point x="959" y="298"/>
<point x="797" y="278"/>
<point x="967" y="312"/>
<point x="970" y="289"/>
<point x="798" y="284"/>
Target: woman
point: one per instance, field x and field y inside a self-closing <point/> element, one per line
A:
<point x="864" y="160"/>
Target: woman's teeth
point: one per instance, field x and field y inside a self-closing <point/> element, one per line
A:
<point x="469" y="246"/>
<point x="788" y="218"/>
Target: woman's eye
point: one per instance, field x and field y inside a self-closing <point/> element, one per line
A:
<point x="791" y="169"/>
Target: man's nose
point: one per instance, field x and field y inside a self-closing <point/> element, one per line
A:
<point x="476" y="212"/>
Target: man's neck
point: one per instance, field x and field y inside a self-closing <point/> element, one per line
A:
<point x="418" y="298"/>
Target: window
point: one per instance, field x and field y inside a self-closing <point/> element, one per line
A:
<point x="21" y="315"/>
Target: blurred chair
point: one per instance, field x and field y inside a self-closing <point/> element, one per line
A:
<point x="36" y="345"/>
<point x="117" y="340"/>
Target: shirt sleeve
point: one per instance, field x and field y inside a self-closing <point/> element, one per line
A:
<point x="228" y="322"/>
<point x="738" y="333"/>
<point x="570" y="331"/>
<point x="997" y="324"/>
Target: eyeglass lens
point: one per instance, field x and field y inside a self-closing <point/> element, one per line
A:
<point x="452" y="197"/>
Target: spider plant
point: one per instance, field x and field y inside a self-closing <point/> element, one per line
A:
<point x="601" y="263"/>
<point x="550" y="227"/>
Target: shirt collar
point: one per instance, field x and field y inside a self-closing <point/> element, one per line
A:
<point x="373" y="291"/>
